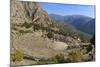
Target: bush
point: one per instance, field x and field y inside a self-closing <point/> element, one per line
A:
<point x="14" y="28"/>
<point x="26" y="31"/>
<point x="75" y="56"/>
<point x="50" y="35"/>
<point x="17" y="56"/>
<point x="59" y="58"/>
<point x="28" y="25"/>
<point x="92" y="40"/>
<point x="36" y="27"/>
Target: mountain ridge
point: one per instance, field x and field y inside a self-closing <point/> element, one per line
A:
<point x="78" y="21"/>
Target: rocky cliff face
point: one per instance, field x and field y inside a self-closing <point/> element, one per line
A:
<point x="28" y="12"/>
<point x="29" y="25"/>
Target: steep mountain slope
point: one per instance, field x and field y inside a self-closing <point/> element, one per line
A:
<point x="77" y="21"/>
<point x="89" y="27"/>
<point x="28" y="12"/>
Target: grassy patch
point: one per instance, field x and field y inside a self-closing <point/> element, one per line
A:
<point x="42" y="62"/>
<point x="17" y="56"/>
<point x="75" y="56"/>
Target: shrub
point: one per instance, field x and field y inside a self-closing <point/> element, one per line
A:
<point x="59" y="58"/>
<point x="92" y="40"/>
<point x="17" y="56"/>
<point x="36" y="27"/>
<point x="28" y="25"/>
<point x="14" y="28"/>
<point x="21" y="31"/>
<point x="75" y="56"/>
<point x="26" y="31"/>
<point x="89" y="48"/>
<point x="24" y="24"/>
<point x="50" y="35"/>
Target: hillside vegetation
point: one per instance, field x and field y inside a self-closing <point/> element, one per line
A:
<point x="37" y="39"/>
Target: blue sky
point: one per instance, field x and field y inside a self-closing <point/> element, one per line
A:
<point x="69" y="9"/>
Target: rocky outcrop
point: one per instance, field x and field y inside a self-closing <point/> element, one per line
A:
<point x="28" y="12"/>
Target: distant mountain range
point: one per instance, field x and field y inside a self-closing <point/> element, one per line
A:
<point x="83" y="23"/>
